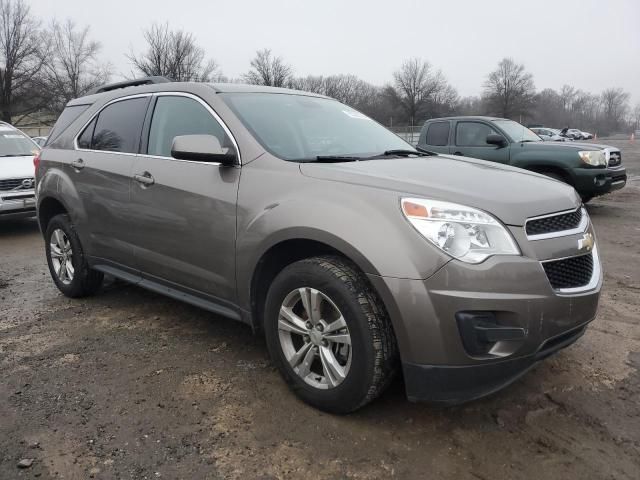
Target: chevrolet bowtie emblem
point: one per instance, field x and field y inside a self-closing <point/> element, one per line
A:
<point x="586" y="242"/>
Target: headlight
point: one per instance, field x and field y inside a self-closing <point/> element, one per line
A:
<point x="596" y="158"/>
<point x="463" y="232"/>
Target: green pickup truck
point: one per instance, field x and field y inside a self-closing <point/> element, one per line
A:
<point x="591" y="169"/>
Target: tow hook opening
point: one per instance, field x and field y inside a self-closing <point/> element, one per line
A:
<point x="488" y="334"/>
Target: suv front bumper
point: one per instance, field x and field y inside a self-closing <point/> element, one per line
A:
<point x="591" y="182"/>
<point x="17" y="204"/>
<point x="438" y="363"/>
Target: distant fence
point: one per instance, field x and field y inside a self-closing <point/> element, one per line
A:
<point x="35" y="130"/>
<point x="410" y="134"/>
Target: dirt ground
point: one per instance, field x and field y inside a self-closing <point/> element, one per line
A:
<point x="132" y="385"/>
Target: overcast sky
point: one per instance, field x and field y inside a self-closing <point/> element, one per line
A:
<point x="589" y="44"/>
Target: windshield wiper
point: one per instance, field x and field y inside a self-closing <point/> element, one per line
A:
<point x="335" y="158"/>
<point x="402" y="152"/>
<point x="15" y="155"/>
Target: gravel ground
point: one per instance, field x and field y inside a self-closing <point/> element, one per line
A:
<point x="132" y="385"/>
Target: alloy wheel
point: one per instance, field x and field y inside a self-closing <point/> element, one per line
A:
<point x="61" y="256"/>
<point x="314" y="338"/>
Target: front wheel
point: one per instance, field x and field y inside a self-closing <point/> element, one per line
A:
<point x="65" y="257"/>
<point x="329" y="335"/>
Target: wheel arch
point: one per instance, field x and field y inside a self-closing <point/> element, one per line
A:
<point x="48" y="208"/>
<point x="545" y="168"/>
<point x="284" y="252"/>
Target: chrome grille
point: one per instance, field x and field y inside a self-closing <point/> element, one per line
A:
<point x="615" y="159"/>
<point x="12" y="183"/>
<point x="554" y="223"/>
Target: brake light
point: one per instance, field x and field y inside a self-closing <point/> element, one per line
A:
<point x="36" y="162"/>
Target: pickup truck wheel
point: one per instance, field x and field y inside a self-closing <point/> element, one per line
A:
<point x="328" y="334"/>
<point x="65" y="257"/>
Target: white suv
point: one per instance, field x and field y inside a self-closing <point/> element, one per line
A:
<point x="17" y="183"/>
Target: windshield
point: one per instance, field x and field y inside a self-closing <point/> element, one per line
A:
<point x="14" y="143"/>
<point x="517" y="132"/>
<point x="301" y="128"/>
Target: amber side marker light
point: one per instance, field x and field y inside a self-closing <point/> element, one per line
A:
<point x="411" y="209"/>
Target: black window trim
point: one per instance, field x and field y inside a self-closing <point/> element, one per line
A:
<point x="487" y="124"/>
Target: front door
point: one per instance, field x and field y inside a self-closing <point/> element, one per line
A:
<point x="184" y="212"/>
<point x="470" y="140"/>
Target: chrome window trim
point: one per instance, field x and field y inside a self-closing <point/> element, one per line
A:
<point x="111" y="102"/>
<point x="213" y="114"/>
<point x="595" y="275"/>
<point x="160" y="94"/>
<point x="581" y="228"/>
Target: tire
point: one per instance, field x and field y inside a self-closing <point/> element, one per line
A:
<point x="80" y="280"/>
<point x="372" y="353"/>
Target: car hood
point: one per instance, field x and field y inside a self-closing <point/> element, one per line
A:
<point x="509" y="193"/>
<point x="16" y="167"/>
<point x="577" y="146"/>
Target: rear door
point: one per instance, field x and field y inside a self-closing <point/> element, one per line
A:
<point x="470" y="140"/>
<point x="435" y="136"/>
<point x="101" y="172"/>
<point x="185" y="211"/>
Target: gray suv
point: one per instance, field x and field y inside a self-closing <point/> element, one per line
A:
<point x="355" y="254"/>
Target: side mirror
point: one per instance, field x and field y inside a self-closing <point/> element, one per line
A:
<point x="202" y="148"/>
<point x="495" y="139"/>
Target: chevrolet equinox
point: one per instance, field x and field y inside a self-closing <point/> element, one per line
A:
<point x="356" y="254"/>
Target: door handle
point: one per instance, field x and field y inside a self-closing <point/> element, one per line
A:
<point x="78" y="164"/>
<point x="145" y="179"/>
<point x="460" y="154"/>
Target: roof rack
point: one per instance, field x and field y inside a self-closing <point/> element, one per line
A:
<point x="130" y="83"/>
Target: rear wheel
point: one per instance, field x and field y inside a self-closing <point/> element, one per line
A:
<point x="329" y="335"/>
<point x="65" y="257"/>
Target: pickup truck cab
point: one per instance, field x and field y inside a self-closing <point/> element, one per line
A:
<point x="591" y="169"/>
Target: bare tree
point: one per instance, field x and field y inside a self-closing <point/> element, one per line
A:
<point x="174" y="54"/>
<point x="415" y="84"/>
<point x="635" y="117"/>
<point x="21" y="59"/>
<point x="509" y="90"/>
<point x="269" y="70"/>
<point x="615" y="103"/>
<point x="72" y="68"/>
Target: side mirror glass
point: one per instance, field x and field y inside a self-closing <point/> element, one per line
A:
<point x="202" y="148"/>
<point x="495" y="139"/>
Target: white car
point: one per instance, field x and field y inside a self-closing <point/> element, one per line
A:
<point x="17" y="183"/>
<point x="548" y="134"/>
<point x="586" y="135"/>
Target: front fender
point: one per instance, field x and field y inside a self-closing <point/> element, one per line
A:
<point x="364" y="224"/>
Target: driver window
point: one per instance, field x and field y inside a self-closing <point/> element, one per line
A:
<point x="473" y="134"/>
<point x="174" y="116"/>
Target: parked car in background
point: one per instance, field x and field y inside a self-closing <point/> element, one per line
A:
<point x="192" y="190"/>
<point x="40" y="141"/>
<point x="574" y="133"/>
<point x="586" y="135"/>
<point x="547" y="134"/>
<point x="591" y="169"/>
<point x="17" y="183"/>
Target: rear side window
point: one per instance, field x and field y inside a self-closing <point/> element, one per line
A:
<point x="117" y="128"/>
<point x="84" y="140"/>
<point x="438" y="134"/>
<point x="66" y="118"/>
<point x="175" y="116"/>
<point x="472" y="134"/>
